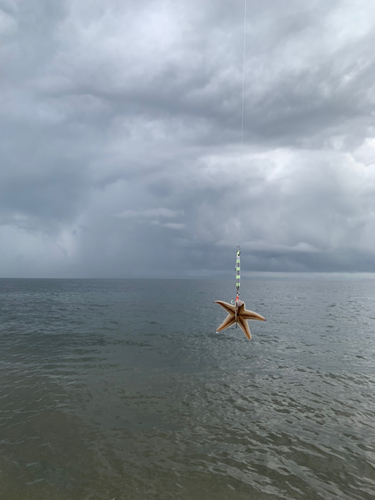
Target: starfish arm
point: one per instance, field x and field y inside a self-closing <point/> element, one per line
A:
<point x="244" y="326"/>
<point x="251" y="315"/>
<point x="241" y="307"/>
<point x="229" y="321"/>
<point x="228" y="307"/>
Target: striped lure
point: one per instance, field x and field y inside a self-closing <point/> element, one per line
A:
<point x="238" y="270"/>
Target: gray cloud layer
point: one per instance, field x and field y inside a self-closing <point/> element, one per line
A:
<point x="120" y="137"/>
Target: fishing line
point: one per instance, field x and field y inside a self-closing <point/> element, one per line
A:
<point x="242" y="117"/>
<point x="238" y="251"/>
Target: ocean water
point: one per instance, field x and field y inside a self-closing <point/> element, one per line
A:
<point x="122" y="389"/>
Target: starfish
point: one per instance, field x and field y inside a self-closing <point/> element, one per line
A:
<point x="238" y="314"/>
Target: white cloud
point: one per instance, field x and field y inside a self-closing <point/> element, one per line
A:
<point x="120" y="120"/>
<point x="366" y="152"/>
<point x="150" y="213"/>
<point x="174" y="225"/>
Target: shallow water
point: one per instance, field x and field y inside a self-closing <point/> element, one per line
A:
<point x="122" y="389"/>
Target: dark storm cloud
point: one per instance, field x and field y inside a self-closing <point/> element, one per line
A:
<point x="120" y="137"/>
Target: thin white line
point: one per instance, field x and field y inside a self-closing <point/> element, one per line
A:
<point x="242" y="119"/>
<point x="243" y="70"/>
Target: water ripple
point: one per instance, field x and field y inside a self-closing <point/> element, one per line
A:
<point x="101" y="400"/>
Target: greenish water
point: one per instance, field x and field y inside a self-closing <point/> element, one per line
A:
<point x="122" y="389"/>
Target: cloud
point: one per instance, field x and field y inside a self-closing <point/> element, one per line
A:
<point x="120" y="137"/>
<point x="365" y="154"/>
<point x="150" y="212"/>
<point x="174" y="225"/>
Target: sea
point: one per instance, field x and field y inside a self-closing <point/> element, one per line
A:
<point x="122" y="389"/>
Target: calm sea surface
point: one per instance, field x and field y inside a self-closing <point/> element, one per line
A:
<point x="121" y="389"/>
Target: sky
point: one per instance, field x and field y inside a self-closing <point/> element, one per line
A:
<point x="120" y="137"/>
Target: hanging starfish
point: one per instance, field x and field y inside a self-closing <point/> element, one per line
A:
<point x="238" y="314"/>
